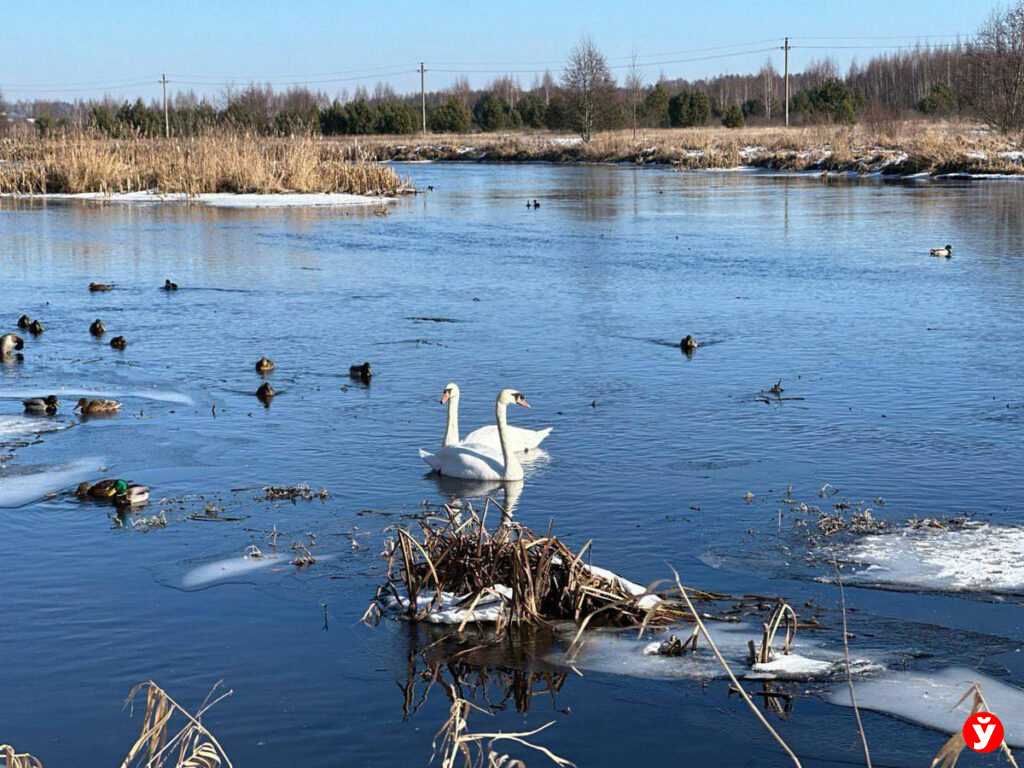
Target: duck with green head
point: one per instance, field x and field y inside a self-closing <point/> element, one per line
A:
<point x="42" y="405"/>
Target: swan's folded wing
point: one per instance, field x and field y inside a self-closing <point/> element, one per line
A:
<point x="431" y="460"/>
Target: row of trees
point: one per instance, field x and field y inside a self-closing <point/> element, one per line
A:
<point x="982" y="77"/>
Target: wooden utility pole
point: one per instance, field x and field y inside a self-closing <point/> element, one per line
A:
<point x="785" y="47"/>
<point x="167" y="122"/>
<point x="423" y="96"/>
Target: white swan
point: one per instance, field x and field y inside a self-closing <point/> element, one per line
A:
<point x="519" y="438"/>
<point x="477" y="462"/>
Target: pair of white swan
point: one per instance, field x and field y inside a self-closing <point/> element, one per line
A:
<point x="488" y="453"/>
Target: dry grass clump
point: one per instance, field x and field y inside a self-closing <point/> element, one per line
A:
<point x="454" y="553"/>
<point x="191" y="166"/>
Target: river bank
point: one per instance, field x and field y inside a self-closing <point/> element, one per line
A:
<point x="897" y="149"/>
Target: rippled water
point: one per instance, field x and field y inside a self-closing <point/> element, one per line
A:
<point x="910" y="369"/>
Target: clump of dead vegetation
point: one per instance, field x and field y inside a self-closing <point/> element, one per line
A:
<point x="292" y="493"/>
<point x="190" y="166"/>
<point x="455" y="563"/>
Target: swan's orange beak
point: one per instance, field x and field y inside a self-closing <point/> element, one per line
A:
<point x="522" y="401"/>
<point x="446" y="397"/>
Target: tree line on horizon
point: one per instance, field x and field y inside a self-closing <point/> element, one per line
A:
<point x="982" y="78"/>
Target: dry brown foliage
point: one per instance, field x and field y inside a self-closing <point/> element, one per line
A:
<point x="950" y="752"/>
<point x="190" y="166"/>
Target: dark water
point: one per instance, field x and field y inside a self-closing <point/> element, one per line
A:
<point x="906" y="365"/>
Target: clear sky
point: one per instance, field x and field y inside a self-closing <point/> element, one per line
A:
<point x="85" y="48"/>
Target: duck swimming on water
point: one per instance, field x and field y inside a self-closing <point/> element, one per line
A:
<point x="264" y="365"/>
<point x="24" y="322"/>
<point x="169" y="286"/>
<point x="35" y="328"/>
<point x="94" y="287"/>
<point x="41" y="405"/>
<point x="119" y="342"/>
<point x="946" y="252"/>
<point x="97" y="328"/>
<point x="96" y="406"/>
<point x="122" y="493"/>
<point x="10" y="342"/>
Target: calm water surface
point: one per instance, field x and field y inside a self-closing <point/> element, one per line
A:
<point x="910" y="369"/>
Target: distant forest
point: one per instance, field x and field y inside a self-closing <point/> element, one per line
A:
<point x="962" y="78"/>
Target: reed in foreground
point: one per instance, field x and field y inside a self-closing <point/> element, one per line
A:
<point x="191" y="166"/>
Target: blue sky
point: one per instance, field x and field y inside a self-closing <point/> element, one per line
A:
<point x="62" y="49"/>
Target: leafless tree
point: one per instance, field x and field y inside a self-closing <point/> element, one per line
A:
<point x="589" y="87"/>
<point x="768" y="78"/>
<point x="634" y="89"/>
<point x="997" y="58"/>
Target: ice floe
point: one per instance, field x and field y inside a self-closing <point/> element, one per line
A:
<point x="162" y="396"/>
<point x="621" y="653"/>
<point x="14" y="426"/>
<point x="454" y="609"/>
<point x="225" y="199"/>
<point x="228" y="569"/>
<point x="927" y="698"/>
<point x="17" y="490"/>
<point x="979" y="557"/>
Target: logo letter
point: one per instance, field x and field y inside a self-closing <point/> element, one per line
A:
<point x="983" y="734"/>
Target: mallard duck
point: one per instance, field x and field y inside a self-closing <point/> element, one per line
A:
<point x="35" y="328"/>
<point x="536" y="204"/>
<point x="97" y="328"/>
<point x="10" y="342"/>
<point x="97" y="405"/>
<point x="688" y="344"/>
<point x="264" y="365"/>
<point x="42" y="405"/>
<point x="122" y="493"/>
<point x="169" y="286"/>
<point x="947" y="251"/>
<point x="24" y="322"/>
<point x="362" y="372"/>
<point x="265" y="393"/>
<point x="99" y="287"/>
<point x="118" y="342"/>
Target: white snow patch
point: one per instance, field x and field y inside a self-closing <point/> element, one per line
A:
<point x="927" y="698"/>
<point x="454" y="609"/>
<point x="19" y="490"/>
<point x="981" y="557"/>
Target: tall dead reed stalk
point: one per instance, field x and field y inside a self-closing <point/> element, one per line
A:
<point x="14" y="759"/>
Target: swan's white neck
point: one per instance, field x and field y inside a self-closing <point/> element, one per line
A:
<point x="451" y="432"/>
<point x="512" y="466"/>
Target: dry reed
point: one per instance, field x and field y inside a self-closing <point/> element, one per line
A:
<point x="190" y="166"/>
<point x="456" y="746"/>
<point x="191" y="745"/>
<point x="14" y="759"/>
<point x="950" y="752"/>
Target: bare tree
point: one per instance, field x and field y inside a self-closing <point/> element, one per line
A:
<point x="997" y="56"/>
<point x="634" y="89"/>
<point x="768" y="77"/>
<point x="589" y="87"/>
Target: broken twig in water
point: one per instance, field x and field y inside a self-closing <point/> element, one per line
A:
<point x="14" y="759"/>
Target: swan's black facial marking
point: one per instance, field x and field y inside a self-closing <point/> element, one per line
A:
<point x="520" y="400"/>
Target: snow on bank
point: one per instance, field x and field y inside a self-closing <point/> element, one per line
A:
<point x="927" y="698"/>
<point x="19" y="490"/>
<point x="222" y="199"/>
<point x="979" y="557"/>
